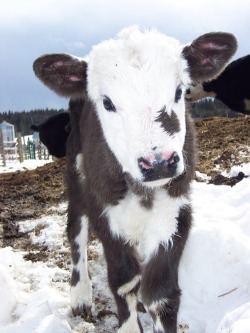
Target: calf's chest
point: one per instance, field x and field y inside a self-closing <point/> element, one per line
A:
<point x="146" y="227"/>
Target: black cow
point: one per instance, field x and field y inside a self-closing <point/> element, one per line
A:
<point x="232" y="87"/>
<point x="54" y="133"/>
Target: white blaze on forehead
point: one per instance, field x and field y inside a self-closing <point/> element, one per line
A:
<point x="148" y="64"/>
<point x="139" y="72"/>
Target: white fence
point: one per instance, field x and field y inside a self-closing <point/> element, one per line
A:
<point x="21" y="149"/>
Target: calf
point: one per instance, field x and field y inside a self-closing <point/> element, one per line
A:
<point x="232" y="86"/>
<point x="130" y="163"/>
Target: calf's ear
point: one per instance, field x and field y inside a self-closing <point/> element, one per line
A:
<point x="63" y="73"/>
<point x="208" y="54"/>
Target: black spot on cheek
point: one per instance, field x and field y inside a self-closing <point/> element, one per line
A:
<point x="170" y="123"/>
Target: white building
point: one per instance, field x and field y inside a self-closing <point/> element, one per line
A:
<point x="8" y="133"/>
<point x="8" y="142"/>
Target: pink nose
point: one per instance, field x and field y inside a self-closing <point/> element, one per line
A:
<point x="170" y="159"/>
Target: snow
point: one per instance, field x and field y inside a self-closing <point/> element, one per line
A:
<point x="13" y="166"/>
<point x="214" y="271"/>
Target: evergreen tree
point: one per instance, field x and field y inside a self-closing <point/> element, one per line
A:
<point x="23" y="120"/>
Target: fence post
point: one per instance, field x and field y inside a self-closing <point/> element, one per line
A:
<point x="24" y="148"/>
<point x="39" y="150"/>
<point x="20" y="147"/>
<point x="31" y="149"/>
<point x="2" y="152"/>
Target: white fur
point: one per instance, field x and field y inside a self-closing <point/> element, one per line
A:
<point x="81" y="294"/>
<point x="131" y="325"/>
<point x="158" y="325"/>
<point x="157" y="308"/>
<point x="146" y="228"/>
<point x="127" y="287"/>
<point x="139" y="72"/>
<point x="79" y="166"/>
<point x="79" y="162"/>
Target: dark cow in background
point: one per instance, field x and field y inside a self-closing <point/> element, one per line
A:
<point x="54" y="133"/>
<point x="130" y="162"/>
<point x="232" y="87"/>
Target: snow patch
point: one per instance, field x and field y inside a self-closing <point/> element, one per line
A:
<point x="13" y="166"/>
<point x="214" y="272"/>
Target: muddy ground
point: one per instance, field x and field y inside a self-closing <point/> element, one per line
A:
<point x="30" y="194"/>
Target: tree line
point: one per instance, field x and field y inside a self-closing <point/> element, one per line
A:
<point x="22" y="121"/>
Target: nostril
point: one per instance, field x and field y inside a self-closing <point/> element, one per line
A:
<point x="145" y="164"/>
<point x="173" y="160"/>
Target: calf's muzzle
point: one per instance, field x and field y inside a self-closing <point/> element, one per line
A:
<point x="158" y="166"/>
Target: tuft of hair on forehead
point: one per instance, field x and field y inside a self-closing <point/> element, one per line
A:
<point x="134" y="41"/>
<point x="137" y="62"/>
<point x="134" y="35"/>
<point x="136" y="48"/>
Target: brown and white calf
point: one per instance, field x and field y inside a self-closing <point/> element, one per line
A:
<point x="131" y="159"/>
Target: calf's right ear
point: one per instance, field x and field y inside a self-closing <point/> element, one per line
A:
<point x="63" y="73"/>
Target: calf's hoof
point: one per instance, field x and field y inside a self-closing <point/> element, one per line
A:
<point x="84" y="312"/>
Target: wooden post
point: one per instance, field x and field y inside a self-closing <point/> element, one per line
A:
<point x="2" y="152"/>
<point x="39" y="150"/>
<point x="24" y="148"/>
<point x="20" y="146"/>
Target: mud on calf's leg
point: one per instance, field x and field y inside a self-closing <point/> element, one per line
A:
<point x="124" y="281"/>
<point x="81" y="286"/>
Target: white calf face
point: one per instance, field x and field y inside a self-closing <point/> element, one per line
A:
<point x="137" y="83"/>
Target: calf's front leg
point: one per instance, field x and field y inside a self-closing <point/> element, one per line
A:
<point x="160" y="291"/>
<point x="124" y="281"/>
<point x="81" y="286"/>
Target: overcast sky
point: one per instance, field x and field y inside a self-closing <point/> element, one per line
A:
<point x="30" y="28"/>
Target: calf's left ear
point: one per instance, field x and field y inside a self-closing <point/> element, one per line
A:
<point x="208" y="54"/>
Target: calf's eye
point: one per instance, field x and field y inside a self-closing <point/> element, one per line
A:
<point x="178" y="94"/>
<point x="107" y="103"/>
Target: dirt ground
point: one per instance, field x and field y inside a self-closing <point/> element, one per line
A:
<point x="29" y="194"/>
